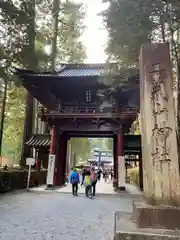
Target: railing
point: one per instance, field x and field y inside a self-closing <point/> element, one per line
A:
<point x="86" y="111"/>
<point x="76" y="110"/>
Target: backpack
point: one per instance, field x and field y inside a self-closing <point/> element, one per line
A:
<point x="94" y="177"/>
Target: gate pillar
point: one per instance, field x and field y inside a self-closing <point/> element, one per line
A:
<point x="59" y="162"/>
<point x="121" y="161"/>
<point x="64" y="173"/>
<point x="115" y="160"/>
<point x="52" y="157"/>
<point x="38" y="161"/>
<point x="140" y="171"/>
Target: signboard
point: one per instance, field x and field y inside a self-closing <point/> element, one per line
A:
<point x="121" y="171"/>
<point x="30" y="161"/>
<point x="51" y="166"/>
<point x="105" y="154"/>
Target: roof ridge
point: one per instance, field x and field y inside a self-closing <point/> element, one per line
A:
<point x="81" y="66"/>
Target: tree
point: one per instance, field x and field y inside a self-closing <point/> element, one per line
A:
<point x="20" y="48"/>
<point x="70" y="29"/>
<point x="110" y="144"/>
<point x="133" y="23"/>
<point x="70" y="46"/>
<point x="18" y="34"/>
<point x="82" y="149"/>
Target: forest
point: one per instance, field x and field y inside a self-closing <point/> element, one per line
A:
<point x="30" y="40"/>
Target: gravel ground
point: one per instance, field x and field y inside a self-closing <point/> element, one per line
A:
<point x="45" y="216"/>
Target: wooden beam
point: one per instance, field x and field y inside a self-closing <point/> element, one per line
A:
<point x="46" y="99"/>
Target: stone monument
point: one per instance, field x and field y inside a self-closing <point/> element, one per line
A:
<point x="158" y="217"/>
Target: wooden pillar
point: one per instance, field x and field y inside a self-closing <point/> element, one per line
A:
<point x="38" y="161"/>
<point x="121" y="161"/>
<point x="115" y="158"/>
<point x="140" y="171"/>
<point x="60" y="167"/>
<point x="53" y="141"/>
<point x="68" y="156"/>
<point x="52" y="158"/>
<point x="64" y="159"/>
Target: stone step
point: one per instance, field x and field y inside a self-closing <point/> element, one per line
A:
<point x="151" y="216"/>
<point x="126" y="229"/>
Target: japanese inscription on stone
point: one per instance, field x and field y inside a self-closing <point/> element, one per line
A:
<point x="161" y="129"/>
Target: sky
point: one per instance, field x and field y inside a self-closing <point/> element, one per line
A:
<point x="95" y="36"/>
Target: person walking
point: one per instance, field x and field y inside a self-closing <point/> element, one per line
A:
<point x="93" y="181"/>
<point x="112" y="174"/>
<point x="99" y="174"/>
<point x="74" y="180"/>
<point x="88" y="183"/>
<point x="83" y="176"/>
<point x="106" y="175"/>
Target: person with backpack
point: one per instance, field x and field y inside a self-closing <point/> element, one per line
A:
<point x="93" y="181"/>
<point x="88" y="183"/>
<point x="74" y="180"/>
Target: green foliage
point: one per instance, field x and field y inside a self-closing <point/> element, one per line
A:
<point x="102" y="143"/>
<point x="133" y="23"/>
<point x="127" y="31"/>
<point x="133" y="174"/>
<point x="135" y="128"/>
<point x="110" y="144"/>
<point x="99" y="143"/>
<point x="25" y="40"/>
<point x="70" y="29"/>
<point x="82" y="149"/>
<point x="17" y="47"/>
<point x="70" y="46"/>
<point x="17" y="179"/>
<point x="14" y="121"/>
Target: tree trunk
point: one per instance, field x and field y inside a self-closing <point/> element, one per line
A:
<point x="3" y="117"/>
<point x="55" y="14"/>
<point x="29" y="113"/>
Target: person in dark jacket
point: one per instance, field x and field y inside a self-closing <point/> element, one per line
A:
<point x="74" y="180"/>
<point x="83" y="176"/>
<point x="99" y="174"/>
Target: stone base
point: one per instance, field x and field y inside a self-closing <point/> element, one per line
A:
<point x="149" y="216"/>
<point x="125" y="228"/>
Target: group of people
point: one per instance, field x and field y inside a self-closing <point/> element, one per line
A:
<point x="108" y="174"/>
<point x="89" y="179"/>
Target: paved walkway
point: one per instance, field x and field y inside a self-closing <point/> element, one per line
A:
<point x="37" y="216"/>
<point x="101" y="188"/>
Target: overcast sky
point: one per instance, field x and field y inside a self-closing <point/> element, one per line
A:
<point x="95" y="36"/>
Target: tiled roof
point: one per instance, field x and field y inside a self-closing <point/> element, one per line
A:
<point x="86" y="72"/>
<point x="69" y="70"/>
<point x="40" y="140"/>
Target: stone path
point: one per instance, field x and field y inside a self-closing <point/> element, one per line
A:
<point x="45" y="216"/>
<point x="102" y="188"/>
